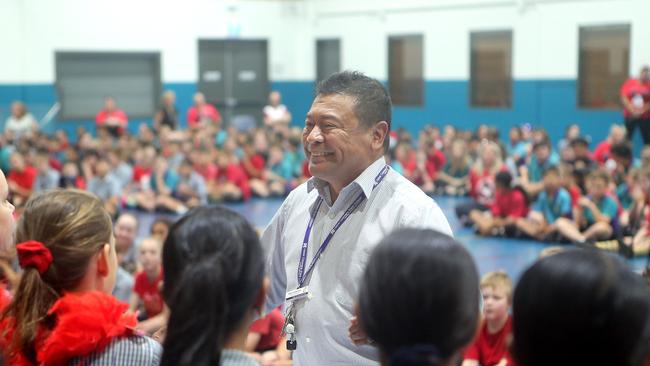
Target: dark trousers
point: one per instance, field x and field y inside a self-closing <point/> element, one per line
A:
<point x="643" y="124"/>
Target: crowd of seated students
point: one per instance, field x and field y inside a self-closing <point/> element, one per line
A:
<point x="162" y="167"/>
<point x="165" y="168"/>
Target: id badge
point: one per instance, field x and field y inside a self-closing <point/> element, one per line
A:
<point x="297" y="294"/>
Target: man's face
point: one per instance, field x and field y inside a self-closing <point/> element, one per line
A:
<point x="125" y="232"/>
<point x="274" y="98"/>
<point x="645" y="76"/>
<point x="338" y="148"/>
<point x="542" y="153"/>
<point x="551" y="182"/>
<point x="109" y="104"/>
<point x="17" y="163"/>
<point x="102" y="168"/>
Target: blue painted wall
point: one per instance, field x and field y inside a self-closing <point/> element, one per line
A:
<point x="548" y="103"/>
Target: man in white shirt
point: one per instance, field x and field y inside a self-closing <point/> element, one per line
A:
<point x="20" y="122"/>
<point x="276" y="115"/>
<point x="350" y="204"/>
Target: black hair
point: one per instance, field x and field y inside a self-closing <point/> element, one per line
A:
<point x="372" y="102"/>
<point x="503" y="179"/>
<point x="214" y="270"/>
<point x="543" y="143"/>
<point x="162" y="220"/>
<point x="581" y="308"/>
<point x="419" y="297"/>
<point x="579" y="141"/>
<point x="551" y="170"/>
<point x="186" y="162"/>
<point x="622" y="150"/>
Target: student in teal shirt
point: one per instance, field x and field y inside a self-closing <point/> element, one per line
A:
<point x="595" y="214"/>
<point x="553" y="204"/>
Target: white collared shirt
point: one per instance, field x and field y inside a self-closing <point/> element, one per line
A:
<point x="323" y="319"/>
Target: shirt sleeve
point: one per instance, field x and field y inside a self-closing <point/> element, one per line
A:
<point x="537" y="206"/>
<point x="137" y="285"/>
<point x="472" y="353"/>
<point x="611" y="208"/>
<point x="261" y="326"/>
<point x="275" y="269"/>
<point x="519" y="204"/>
<point x="429" y="216"/>
<point x="625" y="88"/>
<point x="565" y="205"/>
<point x="200" y="189"/>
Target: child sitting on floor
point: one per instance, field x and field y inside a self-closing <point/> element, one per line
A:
<point x="510" y="204"/>
<point x="491" y="344"/>
<point x="552" y="203"/>
<point x="594" y="217"/>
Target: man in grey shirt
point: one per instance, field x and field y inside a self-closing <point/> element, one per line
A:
<point x="47" y="177"/>
<point x="105" y="186"/>
<point x="320" y="239"/>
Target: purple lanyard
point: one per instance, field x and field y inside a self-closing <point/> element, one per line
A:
<point x="302" y="276"/>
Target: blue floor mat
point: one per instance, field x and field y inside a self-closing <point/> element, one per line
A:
<point x="510" y="255"/>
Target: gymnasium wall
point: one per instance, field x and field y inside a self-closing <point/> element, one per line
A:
<point x="545" y="48"/>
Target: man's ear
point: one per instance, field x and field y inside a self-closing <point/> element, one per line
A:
<point x="379" y="134"/>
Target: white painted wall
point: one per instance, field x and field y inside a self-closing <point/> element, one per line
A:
<point x="38" y="28"/>
<point x="545" y="32"/>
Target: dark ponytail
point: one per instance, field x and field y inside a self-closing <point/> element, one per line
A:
<point x="214" y="270"/>
<point x="200" y="304"/>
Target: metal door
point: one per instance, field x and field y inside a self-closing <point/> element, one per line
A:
<point x="233" y="75"/>
<point x="328" y="57"/>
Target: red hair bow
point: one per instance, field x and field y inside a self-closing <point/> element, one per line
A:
<point x="33" y="253"/>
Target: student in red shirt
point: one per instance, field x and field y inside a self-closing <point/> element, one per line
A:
<point x="264" y="341"/>
<point x="635" y="97"/>
<point x="602" y="153"/>
<point x="254" y="165"/>
<point x="435" y="161"/>
<point x="111" y="118"/>
<point x="202" y="114"/>
<point x="20" y="179"/>
<point x="146" y="290"/>
<point x="491" y="344"/>
<point x="231" y="183"/>
<point x="482" y="181"/>
<point x="510" y="204"/>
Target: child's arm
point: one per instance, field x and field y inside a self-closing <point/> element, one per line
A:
<point x="596" y="212"/>
<point x="134" y="301"/>
<point x="154" y="324"/>
<point x="252" y="340"/>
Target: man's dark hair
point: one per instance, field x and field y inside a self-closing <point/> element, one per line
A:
<point x="372" y="102"/>
<point x="579" y="141"/>
<point x="552" y="170"/>
<point x="622" y="150"/>
<point x="503" y="179"/>
<point x="543" y="143"/>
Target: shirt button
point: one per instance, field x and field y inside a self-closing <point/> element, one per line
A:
<point x="307" y="339"/>
<point x="332" y="216"/>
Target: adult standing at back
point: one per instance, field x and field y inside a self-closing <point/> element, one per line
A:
<point x="321" y="237"/>
<point x="635" y="96"/>
<point x="202" y="114"/>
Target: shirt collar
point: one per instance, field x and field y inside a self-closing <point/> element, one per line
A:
<point x="365" y="180"/>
